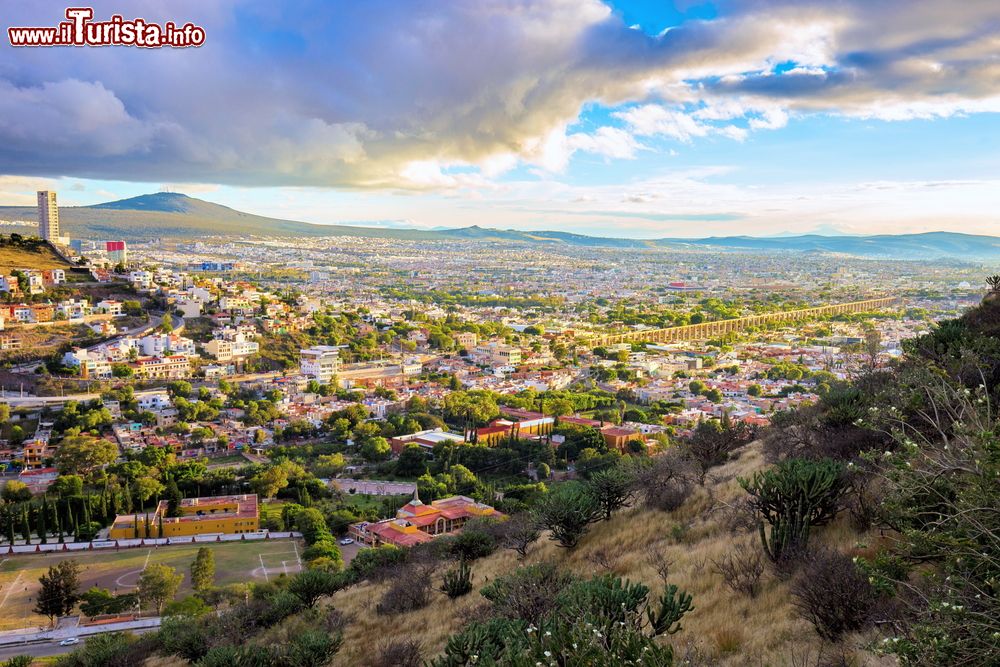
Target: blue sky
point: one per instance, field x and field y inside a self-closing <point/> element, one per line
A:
<point x="642" y="119"/>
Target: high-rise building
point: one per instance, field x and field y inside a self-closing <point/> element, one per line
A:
<point x="48" y="216"/>
<point x="117" y="252"/>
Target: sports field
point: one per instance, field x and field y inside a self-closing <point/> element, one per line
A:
<point x="235" y="562"/>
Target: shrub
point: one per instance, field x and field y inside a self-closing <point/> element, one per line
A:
<point x="791" y="498"/>
<point x="598" y="621"/>
<point x="410" y="589"/>
<point x="741" y="569"/>
<point x="832" y="594"/>
<point x="527" y="593"/>
<point x="519" y="532"/>
<point x="667" y="482"/>
<point x="714" y="441"/>
<point x="471" y="544"/>
<point x="567" y="512"/>
<point x="376" y="562"/>
<point x="399" y="653"/>
<point x="458" y="581"/>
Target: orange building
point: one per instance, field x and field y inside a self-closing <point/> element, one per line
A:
<point x="618" y="438"/>
<point x="199" y="516"/>
<point x="416" y="523"/>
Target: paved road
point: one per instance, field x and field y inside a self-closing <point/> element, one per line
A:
<point x="44" y="649"/>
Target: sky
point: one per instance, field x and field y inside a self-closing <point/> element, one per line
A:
<point x="621" y="118"/>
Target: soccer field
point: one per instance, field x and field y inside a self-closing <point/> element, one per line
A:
<point x="118" y="571"/>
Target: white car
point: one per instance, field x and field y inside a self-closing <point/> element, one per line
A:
<point x="70" y="641"/>
<point x="344" y="541"/>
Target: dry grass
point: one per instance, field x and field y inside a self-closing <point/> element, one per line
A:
<point x="21" y="258"/>
<point x="725" y="628"/>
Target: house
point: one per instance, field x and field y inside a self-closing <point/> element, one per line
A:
<point x="10" y="283"/>
<point x="111" y="307"/>
<point x="416" y="523"/>
<point x="54" y="276"/>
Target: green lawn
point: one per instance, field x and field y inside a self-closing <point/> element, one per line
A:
<point x="235" y="562"/>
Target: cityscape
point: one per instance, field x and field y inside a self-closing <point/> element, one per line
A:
<point x="586" y="357"/>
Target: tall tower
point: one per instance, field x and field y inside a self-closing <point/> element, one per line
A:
<point x="48" y="216"/>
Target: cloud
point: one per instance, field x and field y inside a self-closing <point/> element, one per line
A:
<point x="452" y="94"/>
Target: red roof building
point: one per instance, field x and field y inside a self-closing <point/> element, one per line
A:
<point x="416" y="523"/>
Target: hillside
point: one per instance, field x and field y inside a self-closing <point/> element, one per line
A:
<point x="176" y="215"/>
<point x="725" y="628"/>
<point x="29" y="256"/>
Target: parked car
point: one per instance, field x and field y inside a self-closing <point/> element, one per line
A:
<point x="344" y="541"/>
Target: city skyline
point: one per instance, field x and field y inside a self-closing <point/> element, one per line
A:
<point x="631" y="119"/>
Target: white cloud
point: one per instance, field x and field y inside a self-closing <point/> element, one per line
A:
<point x="386" y="95"/>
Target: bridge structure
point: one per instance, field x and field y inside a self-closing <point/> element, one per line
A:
<point x="708" y="330"/>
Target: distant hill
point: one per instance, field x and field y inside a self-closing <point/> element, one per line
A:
<point x="174" y="215"/>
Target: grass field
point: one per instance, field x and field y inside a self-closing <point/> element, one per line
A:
<point x="22" y="258"/>
<point x="235" y="562"/>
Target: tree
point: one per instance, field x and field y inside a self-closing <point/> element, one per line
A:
<point x="612" y="488"/>
<point x="67" y="486"/>
<point x="58" y="594"/>
<point x="311" y="585"/>
<point x="203" y="570"/>
<point x="329" y="465"/>
<point x="375" y="449"/>
<point x="412" y="461"/>
<point x="146" y="488"/>
<point x="16" y="491"/>
<point x="567" y="512"/>
<point x="158" y="584"/>
<point x="83" y="454"/>
<point x="269" y="482"/>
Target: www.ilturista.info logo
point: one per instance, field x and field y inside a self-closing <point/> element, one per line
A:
<point x="80" y="30"/>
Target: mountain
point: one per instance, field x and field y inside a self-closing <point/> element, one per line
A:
<point x="175" y="215"/>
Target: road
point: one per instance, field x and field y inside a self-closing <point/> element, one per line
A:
<point x="48" y="648"/>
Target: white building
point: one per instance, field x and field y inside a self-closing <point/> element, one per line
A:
<point x="320" y="362"/>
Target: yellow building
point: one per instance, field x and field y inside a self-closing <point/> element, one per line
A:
<point x="199" y="516"/>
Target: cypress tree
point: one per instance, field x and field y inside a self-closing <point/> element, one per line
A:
<point x="42" y="528"/>
<point x="25" y="526"/>
<point x="135" y="526"/>
<point x="160" y="527"/>
<point x="10" y="527"/>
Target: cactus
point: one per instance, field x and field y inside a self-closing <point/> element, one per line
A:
<point x="791" y="498"/>
<point x="457" y="582"/>
<point x="673" y="605"/>
<point x="993" y="282"/>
